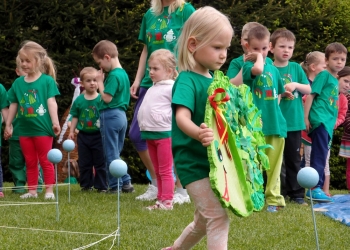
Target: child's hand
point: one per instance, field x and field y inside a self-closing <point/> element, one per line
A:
<point x="8" y="132"/>
<point x="56" y="129"/>
<point x="251" y="57"/>
<point x="288" y="95"/>
<point x="307" y="124"/>
<point x="290" y="86"/>
<point x="205" y="135"/>
<point x="133" y="90"/>
<point x="100" y="76"/>
<point x="71" y="136"/>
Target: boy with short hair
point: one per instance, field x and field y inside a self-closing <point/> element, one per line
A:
<point x="85" y="117"/>
<point x="320" y="114"/>
<point x="296" y="82"/>
<point x="115" y="98"/>
<point x="234" y="71"/>
<point x="266" y="85"/>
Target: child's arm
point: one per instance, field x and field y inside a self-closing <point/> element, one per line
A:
<point x="10" y="116"/>
<point x="302" y="88"/>
<point x="52" y="106"/>
<point x="4" y="113"/>
<point x="343" y="108"/>
<point x="107" y="98"/>
<point x="73" y="125"/>
<point x="258" y="67"/>
<point x="140" y="72"/>
<point x="238" y="79"/>
<point x="203" y="133"/>
<point x="307" y="106"/>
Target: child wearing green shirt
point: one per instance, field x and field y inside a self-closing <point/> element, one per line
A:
<point x="115" y="97"/>
<point x="295" y="81"/>
<point x="320" y="114"/>
<point x="266" y="86"/>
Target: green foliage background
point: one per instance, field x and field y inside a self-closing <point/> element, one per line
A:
<point x="69" y="29"/>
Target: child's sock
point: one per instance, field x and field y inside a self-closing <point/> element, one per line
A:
<point x="154" y="182"/>
<point x="181" y="191"/>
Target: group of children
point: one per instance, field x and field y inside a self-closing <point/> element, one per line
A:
<point x="172" y="113"/>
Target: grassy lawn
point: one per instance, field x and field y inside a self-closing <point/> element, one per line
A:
<point x="95" y="213"/>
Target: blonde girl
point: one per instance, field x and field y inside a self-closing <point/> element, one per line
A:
<point x="154" y="118"/>
<point x="202" y="48"/>
<point x="33" y="99"/>
<point x="160" y="29"/>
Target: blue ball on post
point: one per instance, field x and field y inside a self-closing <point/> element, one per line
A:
<point x="118" y="168"/>
<point x="54" y="155"/>
<point x="68" y="145"/>
<point x="307" y="177"/>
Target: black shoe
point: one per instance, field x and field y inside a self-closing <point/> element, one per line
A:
<point x="128" y="188"/>
<point x="113" y="191"/>
<point x="86" y="189"/>
<point x="299" y="201"/>
<point x="101" y="191"/>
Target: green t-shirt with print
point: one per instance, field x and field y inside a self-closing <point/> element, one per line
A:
<point x="265" y="89"/>
<point x="324" y="108"/>
<point x="87" y="113"/>
<point x="33" y="114"/>
<point x="162" y="32"/>
<point x="190" y="157"/>
<point x="237" y="63"/>
<point x="117" y="85"/>
<point x="3" y="103"/>
<point x="292" y="109"/>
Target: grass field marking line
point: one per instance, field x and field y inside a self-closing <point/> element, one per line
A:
<point x="56" y="231"/>
<point x="25" y="203"/>
<point x="115" y="234"/>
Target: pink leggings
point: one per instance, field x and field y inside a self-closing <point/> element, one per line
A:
<point x="348" y="173"/>
<point x="162" y="159"/>
<point x="209" y="219"/>
<point x="35" y="150"/>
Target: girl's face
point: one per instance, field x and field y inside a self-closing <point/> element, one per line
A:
<point x="28" y="63"/>
<point x="344" y="84"/>
<point x="158" y="72"/>
<point x="318" y="67"/>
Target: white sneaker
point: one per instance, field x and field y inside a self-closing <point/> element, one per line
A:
<point x="149" y="195"/>
<point x="181" y="199"/>
<point x="49" y="196"/>
<point x="28" y="195"/>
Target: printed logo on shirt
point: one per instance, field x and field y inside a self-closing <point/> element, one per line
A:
<point x="88" y="119"/>
<point x="265" y="87"/>
<point x="30" y="105"/>
<point x="158" y="32"/>
<point x="287" y="78"/>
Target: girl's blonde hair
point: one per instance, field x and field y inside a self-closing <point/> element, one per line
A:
<point x="314" y="57"/>
<point x="157" y="6"/>
<point x="204" y="25"/>
<point x="167" y="59"/>
<point x="44" y="63"/>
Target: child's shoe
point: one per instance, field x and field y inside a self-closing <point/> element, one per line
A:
<point x="273" y="209"/>
<point x="181" y="199"/>
<point x="128" y="188"/>
<point x="28" y="195"/>
<point x="318" y="195"/>
<point x="49" y="196"/>
<point x="86" y="189"/>
<point x="2" y="195"/>
<point x="149" y="195"/>
<point x="299" y="201"/>
<point x="161" y="206"/>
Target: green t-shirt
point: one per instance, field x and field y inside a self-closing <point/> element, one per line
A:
<point x="162" y="32"/>
<point x="237" y="63"/>
<point x="87" y="113"/>
<point x="293" y="110"/>
<point x="117" y="84"/>
<point x="3" y="103"/>
<point x="324" y="108"/>
<point x="265" y="90"/>
<point x="32" y="114"/>
<point x="190" y="157"/>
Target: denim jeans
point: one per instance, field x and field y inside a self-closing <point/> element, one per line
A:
<point x="113" y="124"/>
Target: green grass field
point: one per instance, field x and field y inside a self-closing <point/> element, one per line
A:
<point x="23" y="227"/>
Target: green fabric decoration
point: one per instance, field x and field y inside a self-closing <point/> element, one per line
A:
<point x="237" y="156"/>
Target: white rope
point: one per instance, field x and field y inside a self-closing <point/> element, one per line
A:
<point x="54" y="231"/>
<point x="115" y="234"/>
<point x="34" y="186"/>
<point x="25" y="203"/>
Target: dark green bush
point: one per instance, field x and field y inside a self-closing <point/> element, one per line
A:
<point x="69" y="29"/>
